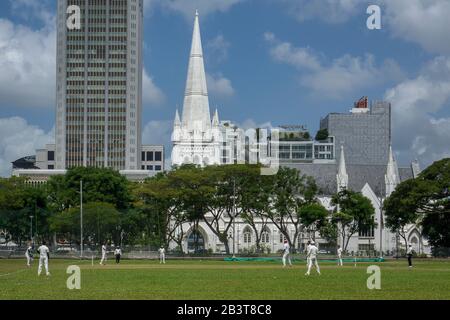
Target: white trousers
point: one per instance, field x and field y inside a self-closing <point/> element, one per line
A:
<point x="162" y="258"/>
<point x="287" y="256"/>
<point x="104" y="258"/>
<point x="29" y="260"/>
<point x="43" y="261"/>
<point x="311" y="262"/>
<point x="340" y="261"/>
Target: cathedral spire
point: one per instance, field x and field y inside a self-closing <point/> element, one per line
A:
<point x="196" y="115"/>
<point x="391" y="178"/>
<point x="215" y="121"/>
<point x="342" y="176"/>
<point x="177" y="121"/>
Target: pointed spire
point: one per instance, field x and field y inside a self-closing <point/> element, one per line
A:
<point x="177" y="122"/>
<point x="196" y="115"/>
<point x="342" y="176"/>
<point x="392" y="178"/>
<point x="215" y="121"/>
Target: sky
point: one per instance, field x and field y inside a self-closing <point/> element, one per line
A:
<point x="268" y="62"/>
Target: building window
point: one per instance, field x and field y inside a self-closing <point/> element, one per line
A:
<point x="143" y="156"/>
<point x="158" y="156"/>
<point x="158" y="168"/>
<point x="282" y="238"/>
<point x="247" y="236"/>
<point x="149" y="156"/>
<point x="51" y="167"/>
<point x="150" y="168"/>
<point x="265" y="237"/>
<point x="51" y="156"/>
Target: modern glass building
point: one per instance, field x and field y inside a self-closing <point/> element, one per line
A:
<point x="99" y="85"/>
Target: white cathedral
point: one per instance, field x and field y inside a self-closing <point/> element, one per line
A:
<point x="198" y="139"/>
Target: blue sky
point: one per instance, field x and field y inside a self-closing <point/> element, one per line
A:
<point x="268" y="61"/>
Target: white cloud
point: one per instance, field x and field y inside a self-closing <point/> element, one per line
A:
<point x="152" y="95"/>
<point x="219" y="86"/>
<point x="425" y="22"/>
<point x="419" y="127"/>
<point x="331" y="11"/>
<point x="342" y="77"/>
<point x="27" y="64"/>
<point x="19" y="139"/>
<point x="188" y="7"/>
<point x="217" y="49"/>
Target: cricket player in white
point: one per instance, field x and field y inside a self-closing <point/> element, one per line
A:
<point x="307" y="250"/>
<point x="312" y="255"/>
<point x="43" y="258"/>
<point x="286" y="254"/>
<point x="339" y="253"/>
<point x="104" y="253"/>
<point x="162" y="255"/>
<point x="29" y="255"/>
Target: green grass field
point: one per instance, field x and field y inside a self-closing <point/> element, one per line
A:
<point x="211" y="280"/>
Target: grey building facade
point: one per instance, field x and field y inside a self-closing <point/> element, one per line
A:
<point x="365" y="133"/>
<point x="99" y="85"/>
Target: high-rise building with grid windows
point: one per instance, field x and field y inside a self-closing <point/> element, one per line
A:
<point x="99" y="85"/>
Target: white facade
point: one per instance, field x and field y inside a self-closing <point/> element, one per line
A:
<point x="242" y="237"/>
<point x="196" y="139"/>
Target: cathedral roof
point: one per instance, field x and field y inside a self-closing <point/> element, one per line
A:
<point x="196" y="114"/>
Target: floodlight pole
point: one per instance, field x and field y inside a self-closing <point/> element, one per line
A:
<point x="31" y="229"/>
<point x="81" y="218"/>
<point x="234" y="216"/>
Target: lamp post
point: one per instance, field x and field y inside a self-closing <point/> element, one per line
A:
<point x="81" y="218"/>
<point x="234" y="216"/>
<point x="31" y="229"/>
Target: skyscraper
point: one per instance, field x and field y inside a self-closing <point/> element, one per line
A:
<point x="365" y="133"/>
<point x="99" y="85"/>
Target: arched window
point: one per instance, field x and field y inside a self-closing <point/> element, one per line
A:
<point x="265" y="237"/>
<point x="247" y="235"/>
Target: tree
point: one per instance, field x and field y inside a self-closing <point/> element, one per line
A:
<point x="355" y="213"/>
<point x="161" y="204"/>
<point x="19" y="201"/>
<point x="255" y="203"/>
<point x="400" y="210"/>
<point x="99" y="185"/>
<point x="100" y="222"/>
<point x="291" y="192"/>
<point x="425" y="199"/>
<point x="322" y="135"/>
<point x="313" y="216"/>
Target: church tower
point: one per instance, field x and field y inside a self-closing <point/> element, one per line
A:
<point x="194" y="137"/>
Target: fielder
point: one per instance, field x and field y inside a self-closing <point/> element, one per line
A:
<point x="104" y="253"/>
<point x="312" y="255"/>
<point x="307" y="250"/>
<point x="162" y="255"/>
<point x="339" y="253"/>
<point x="286" y="254"/>
<point x="118" y="254"/>
<point x="29" y="255"/>
<point x="409" y="253"/>
<point x="44" y="256"/>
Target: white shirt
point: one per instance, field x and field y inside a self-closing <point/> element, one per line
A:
<point x="312" y="251"/>
<point x="43" y="251"/>
<point x="103" y="249"/>
<point x="339" y="252"/>
<point x="162" y="251"/>
<point x="286" y="247"/>
<point x="307" y="249"/>
<point x="409" y="251"/>
<point x="28" y="253"/>
<point x="118" y="251"/>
